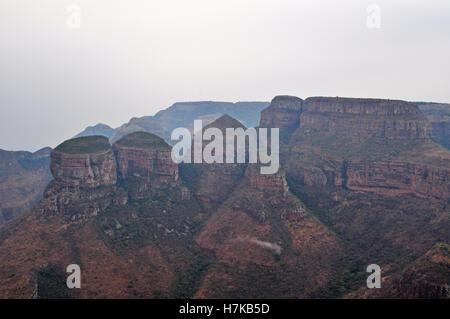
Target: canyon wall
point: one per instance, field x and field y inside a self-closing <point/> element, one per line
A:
<point x="283" y="112"/>
<point x="144" y="163"/>
<point x="377" y="131"/>
<point x="364" y="118"/>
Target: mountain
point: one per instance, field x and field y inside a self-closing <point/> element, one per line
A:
<point x="99" y="129"/>
<point x="370" y="171"/>
<point x="23" y="177"/>
<point x="361" y="182"/>
<point x="22" y="184"/>
<point x="181" y="114"/>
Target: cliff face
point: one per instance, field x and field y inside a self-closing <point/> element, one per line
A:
<point x="84" y="172"/>
<point x="283" y="112"/>
<point x="145" y="161"/>
<point x="23" y="178"/>
<point x="89" y="174"/>
<point x="388" y="178"/>
<point x="398" y="177"/>
<point x="366" y="145"/>
<point x="364" y="118"/>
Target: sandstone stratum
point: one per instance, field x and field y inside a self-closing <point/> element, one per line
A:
<point x="361" y="181"/>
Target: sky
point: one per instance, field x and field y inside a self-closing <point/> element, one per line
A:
<point x="65" y="64"/>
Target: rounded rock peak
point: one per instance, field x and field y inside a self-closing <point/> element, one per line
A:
<point x="85" y="145"/>
<point x="224" y="122"/>
<point x="286" y="102"/>
<point x="142" y="140"/>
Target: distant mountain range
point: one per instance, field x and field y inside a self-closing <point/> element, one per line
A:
<point x="181" y="114"/>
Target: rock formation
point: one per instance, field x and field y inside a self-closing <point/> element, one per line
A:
<point x="144" y="160"/>
<point x="283" y="112"/>
<point x="84" y="172"/>
<point x="85" y="161"/>
<point x="363" y="144"/>
<point x="360" y="182"/>
<point x="364" y="118"/>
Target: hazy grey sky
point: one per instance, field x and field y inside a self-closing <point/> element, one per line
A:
<point x="133" y="58"/>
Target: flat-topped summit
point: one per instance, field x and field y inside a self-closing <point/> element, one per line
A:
<point x="361" y="106"/>
<point x="287" y="102"/>
<point x="283" y="112"/>
<point x="85" y="145"/>
<point x="144" y="163"/>
<point x="143" y="140"/>
<point x="364" y="118"/>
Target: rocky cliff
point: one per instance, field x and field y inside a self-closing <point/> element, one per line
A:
<point x="364" y="118"/>
<point x="85" y="161"/>
<point x="283" y="112"/>
<point x="85" y="176"/>
<point x="340" y="201"/>
<point x="367" y="145"/>
<point x="144" y="163"/>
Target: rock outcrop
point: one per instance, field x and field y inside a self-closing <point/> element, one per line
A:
<point x="364" y="145"/>
<point x="85" y="161"/>
<point x="283" y="112"/>
<point x="394" y="178"/>
<point x="85" y="176"/>
<point x="144" y="162"/>
<point x="388" y="178"/>
<point x="364" y="118"/>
